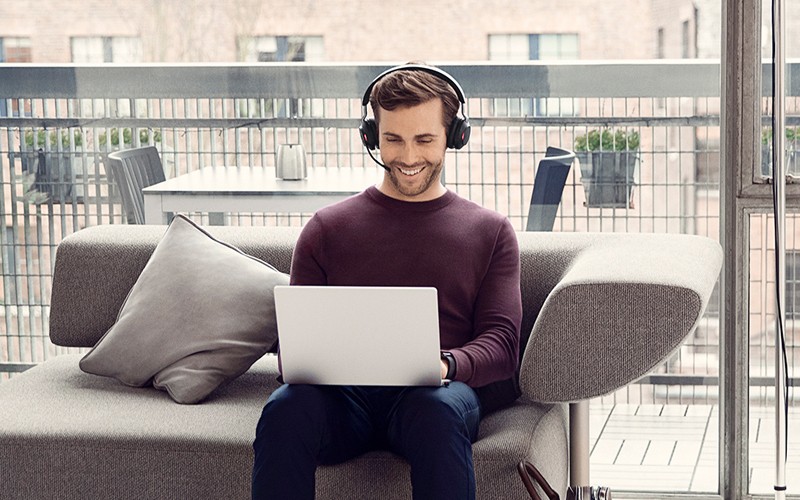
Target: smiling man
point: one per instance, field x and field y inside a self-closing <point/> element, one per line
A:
<point x="415" y="160"/>
<point x="407" y="231"/>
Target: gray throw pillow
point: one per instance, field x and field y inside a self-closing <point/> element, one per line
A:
<point x="201" y="313"/>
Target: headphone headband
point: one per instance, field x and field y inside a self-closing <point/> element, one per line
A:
<point x="458" y="131"/>
<point x="419" y="67"/>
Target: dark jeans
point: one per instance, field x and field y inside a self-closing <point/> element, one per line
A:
<point x="302" y="426"/>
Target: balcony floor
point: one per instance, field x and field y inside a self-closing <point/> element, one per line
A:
<point x="675" y="448"/>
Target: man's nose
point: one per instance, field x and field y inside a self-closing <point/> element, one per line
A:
<point x="409" y="154"/>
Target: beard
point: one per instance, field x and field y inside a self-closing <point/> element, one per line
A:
<point x="430" y="175"/>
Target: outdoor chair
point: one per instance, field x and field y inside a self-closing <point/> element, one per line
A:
<point x="548" y="187"/>
<point x="131" y="171"/>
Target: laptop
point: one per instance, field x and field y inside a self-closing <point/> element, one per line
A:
<point x="335" y="335"/>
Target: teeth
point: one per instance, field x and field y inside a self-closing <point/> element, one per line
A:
<point x="411" y="172"/>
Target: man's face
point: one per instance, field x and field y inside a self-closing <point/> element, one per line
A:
<point x="412" y="143"/>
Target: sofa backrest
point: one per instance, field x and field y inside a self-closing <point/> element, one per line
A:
<point x="96" y="268"/>
<point x="623" y="302"/>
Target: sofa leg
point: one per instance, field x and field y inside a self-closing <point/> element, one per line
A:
<point x="579" y="443"/>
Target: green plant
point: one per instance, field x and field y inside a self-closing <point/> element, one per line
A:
<point x="127" y="137"/>
<point x="606" y="140"/>
<point x="792" y="134"/>
<point x="41" y="138"/>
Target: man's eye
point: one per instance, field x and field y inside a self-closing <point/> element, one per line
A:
<point x="392" y="139"/>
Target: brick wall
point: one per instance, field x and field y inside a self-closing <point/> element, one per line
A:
<point x="353" y="30"/>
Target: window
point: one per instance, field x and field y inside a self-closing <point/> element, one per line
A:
<point x="280" y="49"/>
<point x="14" y="50"/>
<point x="106" y="49"/>
<point x="533" y="47"/>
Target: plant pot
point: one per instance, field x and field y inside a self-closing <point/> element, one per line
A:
<point x="55" y="174"/>
<point x="608" y="177"/>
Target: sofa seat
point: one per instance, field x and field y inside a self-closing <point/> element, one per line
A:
<point x="72" y="435"/>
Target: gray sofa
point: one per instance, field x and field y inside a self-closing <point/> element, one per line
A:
<point x="601" y="310"/>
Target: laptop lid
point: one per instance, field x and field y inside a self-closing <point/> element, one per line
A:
<point x="358" y="335"/>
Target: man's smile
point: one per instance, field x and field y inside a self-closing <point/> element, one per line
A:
<point x="410" y="171"/>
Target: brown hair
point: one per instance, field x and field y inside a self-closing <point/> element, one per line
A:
<point x="412" y="87"/>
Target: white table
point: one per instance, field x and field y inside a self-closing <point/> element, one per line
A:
<point x="253" y="189"/>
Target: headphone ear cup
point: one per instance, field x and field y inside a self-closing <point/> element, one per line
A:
<point x="458" y="135"/>
<point x="368" y="130"/>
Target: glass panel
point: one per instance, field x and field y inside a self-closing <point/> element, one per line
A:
<point x="87" y="49"/>
<point x="558" y="46"/>
<point x="792" y="91"/>
<point x="126" y="49"/>
<point x="792" y="112"/>
<point x="314" y="48"/>
<point x="508" y="47"/>
<point x="670" y="185"/>
<point x="765" y="331"/>
<point x="763" y="336"/>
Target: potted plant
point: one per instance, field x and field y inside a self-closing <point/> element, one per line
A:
<point x="792" y="138"/>
<point x="609" y="162"/>
<point x="53" y="159"/>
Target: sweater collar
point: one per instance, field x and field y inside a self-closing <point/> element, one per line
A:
<point x="410" y="206"/>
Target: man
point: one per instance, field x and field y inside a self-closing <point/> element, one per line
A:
<point x="409" y="230"/>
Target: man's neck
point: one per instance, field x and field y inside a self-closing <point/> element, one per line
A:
<point x="435" y="191"/>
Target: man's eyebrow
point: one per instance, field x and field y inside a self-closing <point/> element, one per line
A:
<point x="426" y="135"/>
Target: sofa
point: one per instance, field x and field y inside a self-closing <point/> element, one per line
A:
<point x="600" y="311"/>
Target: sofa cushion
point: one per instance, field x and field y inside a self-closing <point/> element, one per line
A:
<point x="70" y="435"/>
<point x="200" y="313"/>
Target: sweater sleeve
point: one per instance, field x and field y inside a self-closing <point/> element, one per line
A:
<point x="493" y="353"/>
<point x="307" y="266"/>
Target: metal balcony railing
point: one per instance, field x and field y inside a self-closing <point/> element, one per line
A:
<point x="57" y="124"/>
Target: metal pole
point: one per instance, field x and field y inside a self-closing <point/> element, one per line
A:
<point x="579" y="443"/>
<point x="779" y="179"/>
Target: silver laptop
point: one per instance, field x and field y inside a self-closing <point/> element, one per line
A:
<point x="358" y="335"/>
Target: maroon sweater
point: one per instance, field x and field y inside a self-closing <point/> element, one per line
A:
<point x="468" y="253"/>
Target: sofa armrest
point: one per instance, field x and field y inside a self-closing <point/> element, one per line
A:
<point x="619" y="310"/>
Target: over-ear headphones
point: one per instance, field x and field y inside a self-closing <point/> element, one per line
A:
<point x="458" y="131"/>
